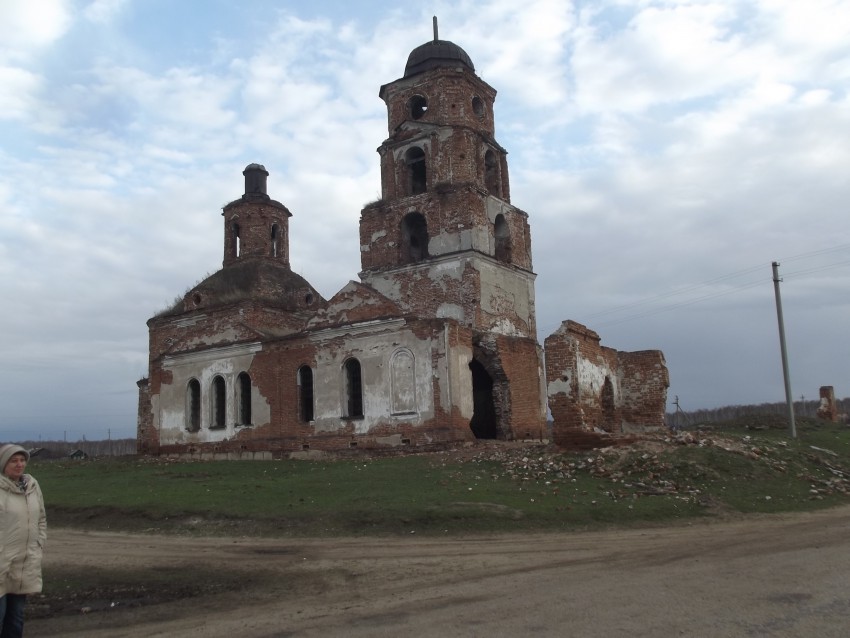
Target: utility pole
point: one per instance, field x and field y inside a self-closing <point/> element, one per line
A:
<point x="677" y="413"/>
<point x="789" y="399"/>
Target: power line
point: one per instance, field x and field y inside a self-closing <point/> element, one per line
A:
<point x="715" y="281"/>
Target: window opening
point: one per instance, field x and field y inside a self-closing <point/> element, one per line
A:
<point x="193" y="406"/>
<point x="244" y="385"/>
<point x="305" y="393"/>
<point x="491" y="173"/>
<point x="503" y="239"/>
<point x="478" y="106"/>
<point x="414" y="238"/>
<point x="418" y="106"/>
<point x="235" y="240"/>
<point x="353" y="389"/>
<point x="219" y="403"/>
<point x="275" y="241"/>
<point x="415" y="160"/>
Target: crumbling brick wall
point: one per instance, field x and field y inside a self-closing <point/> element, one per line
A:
<point x="644" y="380"/>
<point x="147" y="439"/>
<point x="593" y="388"/>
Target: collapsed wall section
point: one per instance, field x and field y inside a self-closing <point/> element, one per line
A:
<point x="595" y="391"/>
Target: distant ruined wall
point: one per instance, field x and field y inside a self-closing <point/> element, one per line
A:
<point x="147" y="438"/>
<point x="644" y="381"/>
<point x="827" y="410"/>
<point x="594" y="389"/>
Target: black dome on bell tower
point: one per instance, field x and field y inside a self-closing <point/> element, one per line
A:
<point x="435" y="54"/>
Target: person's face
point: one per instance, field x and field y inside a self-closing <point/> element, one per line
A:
<point x="16" y="466"/>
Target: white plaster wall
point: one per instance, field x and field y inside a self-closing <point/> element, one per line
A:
<point x="373" y="348"/>
<point x="507" y="290"/>
<point x="591" y="378"/>
<point x="170" y="408"/>
<point x="458" y="393"/>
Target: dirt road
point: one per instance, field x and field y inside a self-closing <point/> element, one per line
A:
<point x="763" y="576"/>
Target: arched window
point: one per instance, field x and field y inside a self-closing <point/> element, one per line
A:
<point x="418" y="106"/>
<point x="193" y="406"/>
<point x="218" y="408"/>
<point x="503" y="239"/>
<point x="478" y="106"/>
<point x="414" y="238"/>
<point x="415" y="161"/>
<point x="275" y="240"/>
<point x="305" y="393"/>
<point x="403" y="377"/>
<point x="609" y="409"/>
<point x="353" y="384"/>
<point x="491" y="174"/>
<point x="234" y="240"/>
<point x="243" y="389"/>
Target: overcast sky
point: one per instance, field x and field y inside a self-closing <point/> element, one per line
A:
<point x="666" y="153"/>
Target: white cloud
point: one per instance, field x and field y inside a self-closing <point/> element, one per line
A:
<point x="18" y="93"/>
<point x="26" y="26"/>
<point x="104" y="11"/>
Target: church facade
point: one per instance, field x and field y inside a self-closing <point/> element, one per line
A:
<point x="436" y="343"/>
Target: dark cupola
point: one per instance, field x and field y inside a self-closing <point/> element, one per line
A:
<point x="255" y="180"/>
<point x="435" y="54"/>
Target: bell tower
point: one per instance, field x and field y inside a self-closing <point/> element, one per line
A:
<point x="444" y="240"/>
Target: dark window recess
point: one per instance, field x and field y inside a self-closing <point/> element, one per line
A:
<point x="305" y="394"/>
<point x="353" y="389"/>
<point x="415" y="161"/>
<point x="244" y="385"/>
<point x="193" y="406"/>
<point x="491" y="174"/>
<point x="275" y="241"/>
<point x="478" y="106"/>
<point x="235" y="240"/>
<point x="414" y="238"/>
<point x="219" y="403"/>
<point x="503" y="239"/>
<point x="418" y="106"/>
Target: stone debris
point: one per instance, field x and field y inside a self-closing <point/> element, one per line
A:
<point x="647" y="467"/>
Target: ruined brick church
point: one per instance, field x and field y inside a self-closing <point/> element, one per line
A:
<point x="435" y="345"/>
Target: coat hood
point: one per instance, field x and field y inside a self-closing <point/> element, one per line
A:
<point x="8" y="451"/>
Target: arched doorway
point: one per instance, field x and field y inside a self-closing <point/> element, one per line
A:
<point x="609" y="408"/>
<point x="483" y="422"/>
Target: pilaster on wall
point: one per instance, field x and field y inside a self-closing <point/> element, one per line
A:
<point x="596" y="389"/>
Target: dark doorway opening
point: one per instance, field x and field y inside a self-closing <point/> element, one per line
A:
<point x="483" y="422"/>
<point x="609" y="409"/>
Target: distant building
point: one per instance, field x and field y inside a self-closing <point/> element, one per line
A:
<point x="435" y="344"/>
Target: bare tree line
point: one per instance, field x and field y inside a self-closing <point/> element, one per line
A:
<point x="802" y="408"/>
<point x="62" y="449"/>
